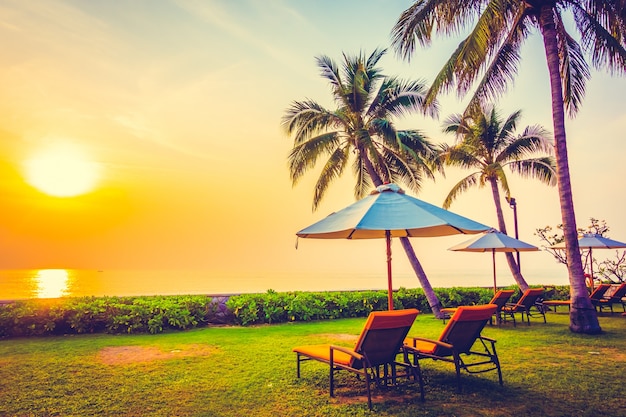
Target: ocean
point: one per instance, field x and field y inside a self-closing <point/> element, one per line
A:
<point x="54" y="283"/>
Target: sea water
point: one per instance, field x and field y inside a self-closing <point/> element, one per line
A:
<point x="53" y="283"/>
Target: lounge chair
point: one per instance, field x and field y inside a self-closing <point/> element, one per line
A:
<point x="531" y="298"/>
<point x="613" y="295"/>
<point x="378" y="346"/>
<point x="596" y="295"/>
<point x="459" y="337"/>
<point x="500" y="298"/>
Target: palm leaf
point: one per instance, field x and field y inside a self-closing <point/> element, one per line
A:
<point x="542" y="169"/>
<point x="459" y="188"/>
<point x="304" y="156"/>
<point x="606" y="43"/>
<point x="331" y="171"/>
<point x="574" y="69"/>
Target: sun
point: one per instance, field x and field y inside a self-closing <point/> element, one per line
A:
<point x="62" y="171"/>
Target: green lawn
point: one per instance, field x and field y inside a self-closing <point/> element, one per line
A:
<point x="238" y="371"/>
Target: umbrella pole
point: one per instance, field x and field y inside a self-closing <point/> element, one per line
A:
<point x="493" y="255"/>
<point x="591" y="269"/>
<point x="389" y="285"/>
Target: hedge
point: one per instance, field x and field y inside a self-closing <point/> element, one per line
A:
<point x="156" y="314"/>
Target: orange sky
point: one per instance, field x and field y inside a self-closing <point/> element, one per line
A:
<point x="179" y="103"/>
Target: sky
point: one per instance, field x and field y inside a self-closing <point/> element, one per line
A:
<point x="177" y="106"/>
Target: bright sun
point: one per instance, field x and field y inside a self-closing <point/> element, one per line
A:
<point x="62" y="171"/>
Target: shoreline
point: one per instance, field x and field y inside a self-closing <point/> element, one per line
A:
<point x="230" y="294"/>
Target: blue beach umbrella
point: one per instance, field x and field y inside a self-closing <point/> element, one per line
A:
<point x="494" y="241"/>
<point x="590" y="241"/>
<point x="388" y="212"/>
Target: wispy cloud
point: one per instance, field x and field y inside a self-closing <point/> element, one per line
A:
<point x="244" y="21"/>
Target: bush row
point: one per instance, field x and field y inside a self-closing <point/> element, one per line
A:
<point x="72" y="315"/>
<point x="38" y="317"/>
<point x="275" y="307"/>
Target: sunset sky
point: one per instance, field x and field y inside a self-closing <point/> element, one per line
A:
<point x="176" y="106"/>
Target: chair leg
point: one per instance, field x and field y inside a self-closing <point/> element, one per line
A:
<point x="420" y="380"/>
<point x="369" y="390"/>
<point x="332" y="374"/>
<point x="417" y="373"/>
<point x="298" y="364"/>
<point x="457" y="365"/>
<point x="496" y="362"/>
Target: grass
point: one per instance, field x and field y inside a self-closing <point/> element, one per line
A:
<point x="235" y="371"/>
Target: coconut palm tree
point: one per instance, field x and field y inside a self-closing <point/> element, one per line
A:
<point x="487" y="145"/>
<point x="360" y="133"/>
<point x="492" y="49"/>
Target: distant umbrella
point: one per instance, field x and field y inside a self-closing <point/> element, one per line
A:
<point x="593" y="241"/>
<point x="494" y="241"/>
<point x="388" y="212"/>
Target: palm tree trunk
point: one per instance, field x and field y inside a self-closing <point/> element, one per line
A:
<point x="433" y="301"/>
<point x="583" y="317"/>
<point x="513" y="266"/>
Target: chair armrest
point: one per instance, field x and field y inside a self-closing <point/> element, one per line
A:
<point x="422" y="339"/>
<point x="347" y="351"/>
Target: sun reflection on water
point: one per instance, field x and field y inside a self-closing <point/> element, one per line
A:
<point x="51" y="283"/>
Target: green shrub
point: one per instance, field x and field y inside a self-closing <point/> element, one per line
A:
<point x="39" y="317"/>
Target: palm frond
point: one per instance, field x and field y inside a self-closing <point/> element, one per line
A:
<point x="304" y="156"/>
<point x="384" y="129"/>
<point x="460" y="156"/>
<point x="373" y="72"/>
<point x="542" y="169"/>
<point x="491" y="26"/>
<point x="503" y="63"/>
<point x="502" y="180"/>
<point x="455" y="123"/>
<point x="510" y="124"/>
<point x="307" y="118"/>
<point x="361" y="76"/>
<point x="331" y="171"/>
<point x="603" y="32"/>
<point x="415" y="23"/>
<point x="535" y="139"/>
<point x="459" y="188"/>
<point x="418" y="22"/>
<point x="574" y="69"/>
<point x="405" y="171"/>
<point x="417" y="156"/>
<point x="401" y="98"/>
<point x="363" y="183"/>
<point x="329" y="70"/>
<point x="540" y="140"/>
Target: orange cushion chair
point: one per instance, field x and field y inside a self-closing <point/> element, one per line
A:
<point x="378" y="346"/>
<point x="457" y="343"/>
<point x="531" y="298"/>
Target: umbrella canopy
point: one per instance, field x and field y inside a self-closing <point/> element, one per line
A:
<point x="593" y="241"/>
<point x="388" y="212"/>
<point x="494" y="241"/>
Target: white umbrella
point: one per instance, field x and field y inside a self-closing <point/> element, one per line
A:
<point x="591" y="241"/>
<point x="388" y="212"/>
<point x="494" y="241"/>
